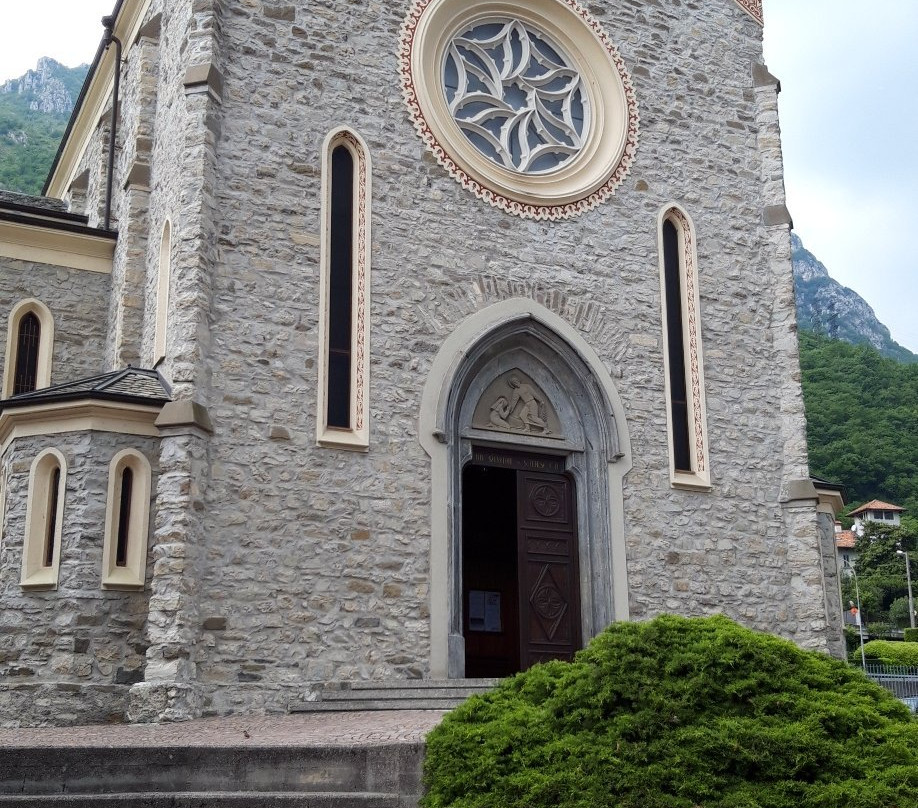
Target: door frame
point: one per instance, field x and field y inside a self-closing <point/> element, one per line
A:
<point x="595" y="447"/>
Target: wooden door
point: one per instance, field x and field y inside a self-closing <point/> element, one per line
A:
<point x="549" y="573"/>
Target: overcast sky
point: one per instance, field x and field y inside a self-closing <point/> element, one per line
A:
<point x="849" y="119"/>
<point x="849" y="125"/>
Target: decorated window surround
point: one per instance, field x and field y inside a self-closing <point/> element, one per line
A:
<point x="580" y="184"/>
<point x="41" y="525"/>
<point x="753" y="8"/>
<point x="45" y="345"/>
<point x="698" y="476"/>
<point x="130" y="574"/>
<point x="163" y="280"/>
<point x="357" y="435"/>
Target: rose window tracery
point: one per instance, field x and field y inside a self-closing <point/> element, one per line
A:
<point x="516" y="96"/>
<point x="528" y="105"/>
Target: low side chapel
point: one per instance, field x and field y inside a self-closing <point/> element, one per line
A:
<point x="397" y="340"/>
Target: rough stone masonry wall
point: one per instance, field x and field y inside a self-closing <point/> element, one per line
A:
<point x="67" y="656"/>
<point x="316" y="561"/>
<point x="77" y="300"/>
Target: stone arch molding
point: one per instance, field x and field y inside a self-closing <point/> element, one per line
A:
<point x="584" y="423"/>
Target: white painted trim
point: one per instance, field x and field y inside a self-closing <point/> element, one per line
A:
<point x="77" y="416"/>
<point x="4" y="481"/>
<point x="35" y="575"/>
<point x="45" y="343"/>
<point x="59" y="248"/>
<point x="133" y="574"/>
<point x="127" y="26"/>
<point x="163" y="282"/>
<point x="358" y="436"/>
<point x="699" y="478"/>
<point x="433" y="434"/>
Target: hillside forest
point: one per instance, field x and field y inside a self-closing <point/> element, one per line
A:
<point x="862" y="420"/>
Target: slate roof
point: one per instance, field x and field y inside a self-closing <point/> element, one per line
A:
<point x="11" y="199"/>
<point x="44" y="211"/>
<point x="875" y="505"/>
<point x="131" y="385"/>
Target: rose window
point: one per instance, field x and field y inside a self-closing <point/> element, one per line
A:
<point x="527" y="104"/>
<point x="516" y="96"/>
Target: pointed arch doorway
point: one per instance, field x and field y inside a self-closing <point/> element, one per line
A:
<point x="528" y="448"/>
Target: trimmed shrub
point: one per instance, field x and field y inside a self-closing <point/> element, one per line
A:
<point x="911" y="634"/>
<point x="892" y="653"/>
<point x="678" y="713"/>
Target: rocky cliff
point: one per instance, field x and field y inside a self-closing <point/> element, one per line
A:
<point x="828" y="308"/>
<point x="34" y="110"/>
<point x="50" y="89"/>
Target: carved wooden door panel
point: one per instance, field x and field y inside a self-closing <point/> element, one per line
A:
<point x="549" y="572"/>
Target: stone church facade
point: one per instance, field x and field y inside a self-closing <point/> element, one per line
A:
<point x="412" y="340"/>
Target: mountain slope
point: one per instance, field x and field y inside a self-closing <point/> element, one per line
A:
<point x="826" y="307"/>
<point x="862" y="419"/>
<point x="34" y="110"/>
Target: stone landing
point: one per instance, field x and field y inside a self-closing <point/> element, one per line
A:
<point x="356" y="759"/>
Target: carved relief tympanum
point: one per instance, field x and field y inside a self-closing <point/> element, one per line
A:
<point x="513" y="402"/>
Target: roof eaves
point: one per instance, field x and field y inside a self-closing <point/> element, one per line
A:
<point x="79" y="102"/>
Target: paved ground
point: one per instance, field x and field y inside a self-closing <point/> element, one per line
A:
<point x="305" y="729"/>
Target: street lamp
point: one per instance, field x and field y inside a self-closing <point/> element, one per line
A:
<point x="908" y="577"/>
<point x="860" y="619"/>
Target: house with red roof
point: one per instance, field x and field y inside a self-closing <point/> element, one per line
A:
<point x="877" y="511"/>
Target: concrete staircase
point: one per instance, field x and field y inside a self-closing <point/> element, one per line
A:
<point x="401" y="694"/>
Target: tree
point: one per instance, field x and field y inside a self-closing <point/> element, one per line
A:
<point x="880" y="570"/>
<point x="678" y="713"/>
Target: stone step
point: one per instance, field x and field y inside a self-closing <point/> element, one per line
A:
<point x="355" y="704"/>
<point x="475" y="685"/>
<point x="404" y="694"/>
<point x="374" y="769"/>
<point x="197" y="799"/>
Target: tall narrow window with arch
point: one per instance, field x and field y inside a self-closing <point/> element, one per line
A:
<point x="29" y="339"/>
<point x="342" y="420"/>
<point x="127" y="521"/>
<point x="163" y="280"/>
<point x="684" y="373"/>
<point x="41" y="552"/>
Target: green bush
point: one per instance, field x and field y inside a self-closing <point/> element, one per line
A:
<point x="911" y="634"/>
<point x="892" y="653"/>
<point x="678" y="713"/>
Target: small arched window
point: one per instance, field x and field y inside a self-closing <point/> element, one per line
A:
<point x="127" y="521"/>
<point x="30" y="336"/>
<point x="42" y="548"/>
<point x="684" y="374"/>
<point x="163" y="280"/>
<point x="345" y="293"/>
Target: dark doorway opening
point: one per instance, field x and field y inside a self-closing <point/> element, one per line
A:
<point x="520" y="572"/>
<point x="490" y="580"/>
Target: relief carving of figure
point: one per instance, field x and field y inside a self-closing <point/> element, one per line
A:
<point x="515" y="403"/>
<point x="500" y="411"/>
<point x="530" y="407"/>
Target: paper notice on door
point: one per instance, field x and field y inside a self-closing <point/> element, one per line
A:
<point x="492" y="611"/>
<point x="484" y="610"/>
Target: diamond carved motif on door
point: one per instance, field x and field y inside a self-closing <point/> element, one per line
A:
<point x="548" y="602"/>
<point x="549" y="572"/>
